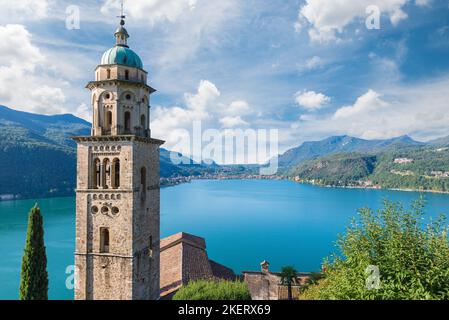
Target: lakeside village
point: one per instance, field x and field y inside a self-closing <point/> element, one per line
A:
<point x="229" y="173"/>
<point x="173" y="181"/>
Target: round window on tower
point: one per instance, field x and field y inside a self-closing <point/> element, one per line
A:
<point x="105" y="210"/>
<point x="107" y="96"/>
<point x="94" y="210"/>
<point x="128" y="97"/>
<point x="115" y="211"/>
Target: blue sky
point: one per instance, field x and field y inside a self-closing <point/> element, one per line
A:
<point x="310" y="69"/>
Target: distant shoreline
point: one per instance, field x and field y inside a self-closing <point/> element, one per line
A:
<point x="258" y="177"/>
<point x="176" y="181"/>
<point x="370" y="188"/>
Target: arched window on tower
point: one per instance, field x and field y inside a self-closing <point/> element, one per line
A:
<point x="106" y="173"/>
<point x="116" y="173"/>
<point x="143" y="179"/>
<point x="104" y="240"/>
<point x="96" y="174"/>
<point x="142" y="122"/>
<point x="108" y="74"/>
<point x="108" y="124"/>
<point x="127" y="121"/>
<point x="126" y="74"/>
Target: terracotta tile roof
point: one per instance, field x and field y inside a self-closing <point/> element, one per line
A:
<point x="184" y="258"/>
<point x="183" y="237"/>
<point x="222" y="272"/>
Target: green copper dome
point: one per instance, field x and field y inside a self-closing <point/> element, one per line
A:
<point x="122" y="55"/>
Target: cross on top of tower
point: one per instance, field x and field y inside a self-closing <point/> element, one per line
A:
<point x="121" y="34"/>
<point x="122" y="15"/>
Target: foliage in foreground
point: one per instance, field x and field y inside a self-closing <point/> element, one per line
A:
<point x="34" y="277"/>
<point x="413" y="259"/>
<point x="213" y="290"/>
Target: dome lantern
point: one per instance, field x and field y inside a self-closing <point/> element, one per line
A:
<point x="121" y="54"/>
<point x="121" y="35"/>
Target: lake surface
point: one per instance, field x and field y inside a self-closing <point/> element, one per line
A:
<point x="244" y="223"/>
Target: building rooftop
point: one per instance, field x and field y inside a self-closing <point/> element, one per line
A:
<point x="123" y="56"/>
<point x="184" y="259"/>
<point x="266" y="285"/>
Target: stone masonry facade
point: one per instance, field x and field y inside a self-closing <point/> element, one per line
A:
<point x="117" y="253"/>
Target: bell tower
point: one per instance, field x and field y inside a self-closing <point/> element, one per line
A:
<point x="117" y="195"/>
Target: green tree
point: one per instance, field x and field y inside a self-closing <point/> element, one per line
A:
<point x="213" y="290"/>
<point x="34" y="277"/>
<point x="288" y="277"/>
<point x="412" y="258"/>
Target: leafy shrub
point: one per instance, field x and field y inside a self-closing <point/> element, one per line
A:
<point x="413" y="259"/>
<point x="213" y="290"/>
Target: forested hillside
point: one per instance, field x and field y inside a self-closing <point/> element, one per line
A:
<point x="413" y="167"/>
<point x="38" y="156"/>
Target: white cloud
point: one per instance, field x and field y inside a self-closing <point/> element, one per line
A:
<point x="175" y="124"/>
<point x="327" y="19"/>
<point x="366" y="103"/>
<point x="19" y="10"/>
<point x="314" y="63"/>
<point x="311" y="100"/>
<point x="151" y="11"/>
<point x="419" y="110"/>
<point x="311" y="64"/>
<point x="84" y="112"/>
<point x="16" y="48"/>
<point x="238" y="108"/>
<point x="207" y="91"/>
<point x="232" y="122"/>
<point x="172" y="122"/>
<point x="23" y="82"/>
<point x="181" y="27"/>
<point x="45" y="97"/>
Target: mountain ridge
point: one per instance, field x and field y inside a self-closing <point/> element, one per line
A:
<point x="314" y="149"/>
<point x="38" y="155"/>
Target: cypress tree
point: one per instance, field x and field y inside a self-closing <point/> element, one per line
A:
<point x="34" y="277"/>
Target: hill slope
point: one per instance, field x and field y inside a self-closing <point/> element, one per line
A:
<point x="339" y="169"/>
<point x="339" y="144"/>
<point x="412" y="167"/>
<point x="38" y="156"/>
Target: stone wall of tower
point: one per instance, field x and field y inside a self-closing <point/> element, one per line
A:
<point x="118" y="72"/>
<point x="119" y="98"/>
<point x="146" y="220"/>
<point x="130" y="270"/>
<point x="117" y="197"/>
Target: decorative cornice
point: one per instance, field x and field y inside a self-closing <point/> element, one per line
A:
<point x="119" y="65"/>
<point x="117" y="191"/>
<point x="97" y="254"/>
<point x="92" y="84"/>
<point x="118" y="138"/>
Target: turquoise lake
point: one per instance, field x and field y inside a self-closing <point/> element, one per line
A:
<point x="244" y="222"/>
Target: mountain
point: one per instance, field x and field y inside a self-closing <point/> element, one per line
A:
<point x="339" y="144"/>
<point x="441" y="142"/>
<point x="422" y="167"/>
<point x="38" y="156"/>
<point x="336" y="169"/>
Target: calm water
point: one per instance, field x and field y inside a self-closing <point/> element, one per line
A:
<point x="244" y="222"/>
